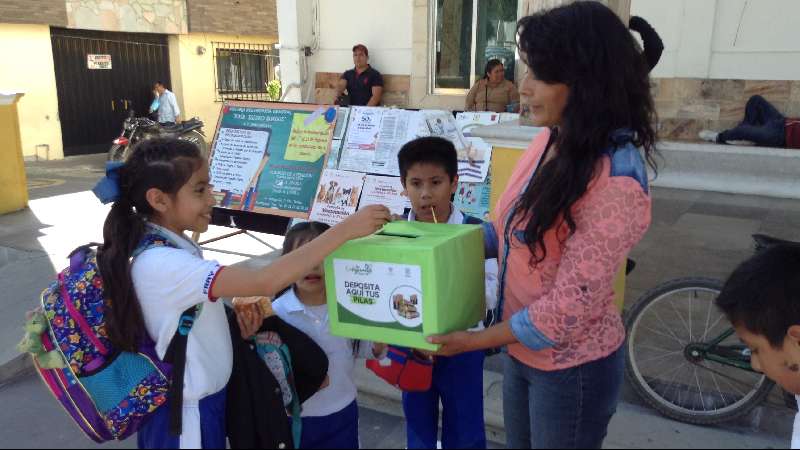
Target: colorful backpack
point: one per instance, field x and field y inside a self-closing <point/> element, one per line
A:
<point x="108" y="393"/>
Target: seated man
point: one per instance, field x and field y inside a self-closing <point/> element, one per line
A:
<point x="763" y="125"/>
<point x="363" y="83"/>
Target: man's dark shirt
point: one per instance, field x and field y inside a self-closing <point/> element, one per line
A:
<point x="360" y="86"/>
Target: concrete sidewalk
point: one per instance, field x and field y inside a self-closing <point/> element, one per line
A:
<point x="693" y="234"/>
<point x="632" y="427"/>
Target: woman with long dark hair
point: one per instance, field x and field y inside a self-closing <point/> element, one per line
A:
<point x="576" y="204"/>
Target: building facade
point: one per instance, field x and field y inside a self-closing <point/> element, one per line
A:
<point x="718" y="53"/>
<point x="84" y="64"/>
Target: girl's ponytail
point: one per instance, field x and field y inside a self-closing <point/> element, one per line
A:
<point x="122" y="232"/>
<point x="163" y="164"/>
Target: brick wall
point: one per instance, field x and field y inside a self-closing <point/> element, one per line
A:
<point x="252" y="17"/>
<point x="396" y="89"/>
<point x="686" y="105"/>
<point x="42" y="12"/>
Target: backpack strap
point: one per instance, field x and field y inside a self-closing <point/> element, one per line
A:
<point x="626" y="159"/>
<point x="176" y="351"/>
<point x="286" y="358"/>
<point x="469" y="220"/>
<point x="176" y="356"/>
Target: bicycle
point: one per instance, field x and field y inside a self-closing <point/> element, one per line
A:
<point x="684" y="358"/>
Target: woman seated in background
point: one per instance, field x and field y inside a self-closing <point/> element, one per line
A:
<point x="493" y="92"/>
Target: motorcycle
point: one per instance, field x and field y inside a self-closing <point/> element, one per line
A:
<point x="136" y="129"/>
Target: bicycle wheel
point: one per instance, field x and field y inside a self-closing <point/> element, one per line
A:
<point x="668" y="376"/>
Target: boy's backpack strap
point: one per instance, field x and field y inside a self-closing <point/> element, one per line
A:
<point x="176" y="356"/>
<point x="469" y="220"/>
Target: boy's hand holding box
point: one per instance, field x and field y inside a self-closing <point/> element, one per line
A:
<point x="408" y="282"/>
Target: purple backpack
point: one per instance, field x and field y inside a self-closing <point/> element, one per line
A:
<point x="108" y="393"/>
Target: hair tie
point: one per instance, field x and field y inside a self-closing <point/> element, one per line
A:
<point x="107" y="190"/>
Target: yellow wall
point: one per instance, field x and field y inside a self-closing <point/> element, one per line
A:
<point x="193" y="74"/>
<point x="12" y="169"/>
<point x="28" y="67"/>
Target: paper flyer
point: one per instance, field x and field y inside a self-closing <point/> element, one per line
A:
<point x="394" y="133"/>
<point x="468" y="120"/>
<point x="509" y="117"/>
<point x="378" y="294"/>
<point x="337" y="196"/>
<point x="364" y="128"/>
<point x="237" y="157"/>
<point x="474" y="199"/>
<point x="443" y="124"/>
<point x="309" y="140"/>
<point x="360" y="144"/>
<point x="342" y="121"/>
<point x="474" y="161"/>
<point x="386" y="191"/>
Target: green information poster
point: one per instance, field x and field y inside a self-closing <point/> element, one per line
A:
<point x="268" y="157"/>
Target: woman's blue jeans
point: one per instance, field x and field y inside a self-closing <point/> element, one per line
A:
<point x="563" y="409"/>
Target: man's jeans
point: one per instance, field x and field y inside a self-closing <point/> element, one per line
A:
<point x="763" y="124"/>
<point x="563" y="409"/>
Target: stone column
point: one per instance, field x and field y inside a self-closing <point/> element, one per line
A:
<point x="294" y="31"/>
<point x="621" y="7"/>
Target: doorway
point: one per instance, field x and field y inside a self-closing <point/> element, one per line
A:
<point x="100" y="76"/>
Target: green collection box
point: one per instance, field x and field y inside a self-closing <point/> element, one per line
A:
<point x="410" y="281"/>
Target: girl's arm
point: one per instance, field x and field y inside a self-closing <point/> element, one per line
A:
<point x="244" y="282"/>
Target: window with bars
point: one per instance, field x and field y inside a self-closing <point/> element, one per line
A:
<point x="245" y="71"/>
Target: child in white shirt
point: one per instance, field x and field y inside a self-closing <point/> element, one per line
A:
<point x="162" y="191"/>
<point x="330" y="418"/>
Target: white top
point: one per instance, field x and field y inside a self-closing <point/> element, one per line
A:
<point x="492" y="268"/>
<point x="168" y="281"/>
<point x="796" y="431"/>
<point x="168" y="109"/>
<point x="314" y="322"/>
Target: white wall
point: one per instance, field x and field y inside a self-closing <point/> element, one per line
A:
<point x="384" y="26"/>
<point x="726" y="39"/>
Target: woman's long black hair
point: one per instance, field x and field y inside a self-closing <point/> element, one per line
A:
<point x="164" y="164"/>
<point x="587" y="47"/>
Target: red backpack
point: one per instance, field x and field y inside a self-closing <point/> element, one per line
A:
<point x="793" y="133"/>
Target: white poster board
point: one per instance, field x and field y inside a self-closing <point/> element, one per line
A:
<point x="237" y="157"/>
<point x="386" y="191"/>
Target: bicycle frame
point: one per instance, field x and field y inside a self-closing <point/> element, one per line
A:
<point x="733" y="356"/>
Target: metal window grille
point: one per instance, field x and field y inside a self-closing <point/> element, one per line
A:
<point x="244" y="71"/>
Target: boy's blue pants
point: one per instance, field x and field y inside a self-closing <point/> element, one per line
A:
<point x="458" y="385"/>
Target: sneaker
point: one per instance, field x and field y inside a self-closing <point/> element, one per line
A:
<point x="708" y="135"/>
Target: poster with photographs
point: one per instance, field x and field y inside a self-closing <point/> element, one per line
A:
<point x="337" y="196"/>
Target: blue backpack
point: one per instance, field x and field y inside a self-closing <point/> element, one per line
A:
<point x="108" y="393"/>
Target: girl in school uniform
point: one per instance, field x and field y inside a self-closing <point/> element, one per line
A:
<point x="329" y="418"/>
<point x="163" y="191"/>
